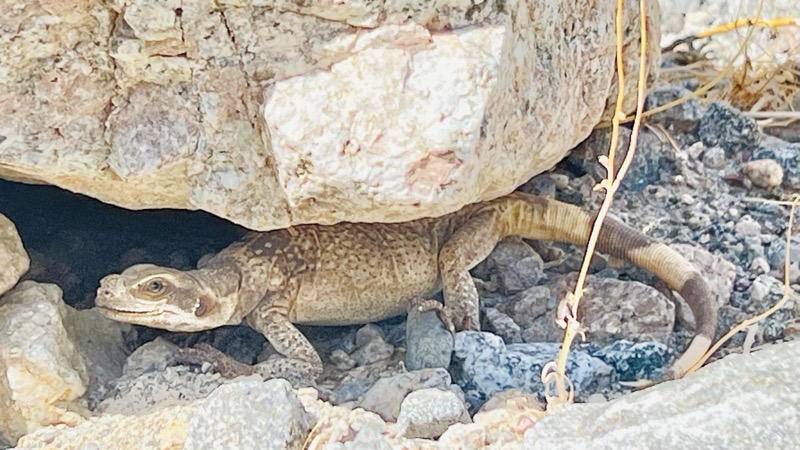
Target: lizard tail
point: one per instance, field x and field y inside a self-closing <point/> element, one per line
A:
<point x="539" y="218"/>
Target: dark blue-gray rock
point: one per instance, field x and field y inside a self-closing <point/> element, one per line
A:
<point x="725" y="126"/>
<point x="683" y="118"/>
<point x="786" y="154"/>
<point x="429" y="342"/>
<point x="483" y="365"/>
<point x="250" y="415"/>
<point x="742" y="402"/>
<point x="635" y="360"/>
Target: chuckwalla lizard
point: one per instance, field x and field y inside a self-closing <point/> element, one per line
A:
<point x="353" y="273"/>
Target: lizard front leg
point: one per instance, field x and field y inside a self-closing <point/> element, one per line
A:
<point x="300" y="358"/>
<point x="469" y="244"/>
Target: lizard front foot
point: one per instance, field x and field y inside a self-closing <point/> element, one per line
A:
<point x="299" y="373"/>
<point x="221" y="363"/>
<point x="429" y="335"/>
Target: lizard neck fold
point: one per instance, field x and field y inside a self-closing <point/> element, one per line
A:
<point x="222" y="285"/>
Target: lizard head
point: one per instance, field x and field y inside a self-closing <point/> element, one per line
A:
<point x="162" y="297"/>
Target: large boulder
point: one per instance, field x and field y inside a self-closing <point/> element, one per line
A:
<point x="303" y="112"/>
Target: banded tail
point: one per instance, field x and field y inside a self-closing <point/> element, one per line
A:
<point x="539" y="218"/>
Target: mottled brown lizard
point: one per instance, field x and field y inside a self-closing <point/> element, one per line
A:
<point x="353" y="273"/>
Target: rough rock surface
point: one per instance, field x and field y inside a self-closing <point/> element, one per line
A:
<point x="250" y="415"/>
<point x="13" y="258"/>
<point x="42" y="373"/>
<point x="301" y="112"/>
<point x="428" y="413"/>
<point x="741" y="402"/>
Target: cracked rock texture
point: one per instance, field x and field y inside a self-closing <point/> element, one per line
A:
<point x="13" y="258"/>
<point x="42" y="372"/>
<point x="300" y="112"/>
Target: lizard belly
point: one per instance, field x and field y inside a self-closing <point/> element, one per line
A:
<point x="336" y="299"/>
<point x="370" y="282"/>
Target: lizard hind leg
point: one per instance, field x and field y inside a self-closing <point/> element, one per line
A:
<point x="470" y="244"/>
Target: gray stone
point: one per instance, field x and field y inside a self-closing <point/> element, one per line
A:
<point x="250" y="415"/>
<point x="386" y="395"/>
<point x="610" y="310"/>
<point x="484" y="365"/>
<point x="714" y="158"/>
<point x="726" y="127"/>
<point x="763" y="173"/>
<point x="512" y="267"/>
<point x="739" y="403"/>
<point x="683" y="118"/>
<point x="427" y="413"/>
<point x="429" y="343"/>
<point x="787" y="155"/>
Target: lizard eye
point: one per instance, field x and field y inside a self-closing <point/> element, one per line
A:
<point x="155" y="286"/>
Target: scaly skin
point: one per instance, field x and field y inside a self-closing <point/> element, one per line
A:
<point x="353" y="273"/>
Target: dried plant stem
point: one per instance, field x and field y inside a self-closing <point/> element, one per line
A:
<point x="739" y="23"/>
<point x="724" y="72"/>
<point x="611" y="184"/>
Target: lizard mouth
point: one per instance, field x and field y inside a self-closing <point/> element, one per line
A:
<point x="117" y="311"/>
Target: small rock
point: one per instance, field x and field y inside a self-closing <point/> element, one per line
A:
<point x="610" y="310"/>
<point x="765" y="292"/>
<point x="501" y="324"/>
<point x="786" y="155"/>
<point x="714" y="158"/>
<point x="341" y="360"/>
<point x="250" y="415"/>
<point x="776" y="254"/>
<point x="145" y="391"/>
<point x="371" y="346"/>
<point x="427" y="413"/>
<point x="726" y="127"/>
<point x="429" y="343"/>
<point x="759" y="265"/>
<point x="149" y="357"/>
<point x="747" y="226"/>
<point x="386" y="395"/>
<point x="512" y="267"/>
<point x="763" y="173"/>
<point x="651" y="162"/>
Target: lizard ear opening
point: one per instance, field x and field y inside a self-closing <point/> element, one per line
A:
<point x="205" y="305"/>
